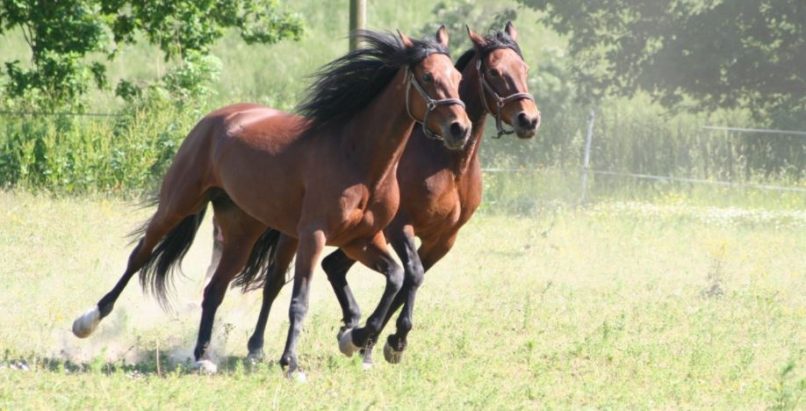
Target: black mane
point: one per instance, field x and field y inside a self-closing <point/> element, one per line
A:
<point x="495" y="41"/>
<point x="346" y="85"/>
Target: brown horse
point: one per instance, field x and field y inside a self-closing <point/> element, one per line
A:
<point x="440" y="191"/>
<point x="326" y="177"/>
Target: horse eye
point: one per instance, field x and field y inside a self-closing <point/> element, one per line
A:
<point x="427" y="77"/>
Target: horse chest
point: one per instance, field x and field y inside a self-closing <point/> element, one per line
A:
<point x="365" y="214"/>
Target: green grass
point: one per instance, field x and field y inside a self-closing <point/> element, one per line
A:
<point x="618" y="305"/>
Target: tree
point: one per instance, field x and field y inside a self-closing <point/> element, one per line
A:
<point x="720" y="53"/>
<point x="61" y="34"/>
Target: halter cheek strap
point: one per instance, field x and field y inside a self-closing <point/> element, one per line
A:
<point x="430" y="104"/>
<point x="500" y="102"/>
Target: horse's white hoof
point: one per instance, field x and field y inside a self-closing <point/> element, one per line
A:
<point x="84" y="326"/>
<point x="367" y="365"/>
<point x="391" y="355"/>
<point x="346" y="345"/>
<point x="255" y="357"/>
<point x="205" y="367"/>
<point x="297" y="376"/>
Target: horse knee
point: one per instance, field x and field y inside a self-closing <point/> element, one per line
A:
<point x="415" y="273"/>
<point x="394" y="277"/>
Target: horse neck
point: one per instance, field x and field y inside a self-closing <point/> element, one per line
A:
<point x="469" y="92"/>
<point x="376" y="136"/>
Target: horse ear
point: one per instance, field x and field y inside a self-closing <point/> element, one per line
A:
<point x="405" y="39"/>
<point x="478" y="41"/>
<point x="510" y="29"/>
<point x="442" y="36"/>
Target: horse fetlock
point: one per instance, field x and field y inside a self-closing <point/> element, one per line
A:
<point x="255" y="356"/>
<point x="404" y="324"/>
<point x="396" y="342"/>
<point x="254" y="344"/>
<point x="288" y="362"/>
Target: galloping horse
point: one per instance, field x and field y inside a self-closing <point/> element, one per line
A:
<point x="440" y="190"/>
<point x="326" y="176"/>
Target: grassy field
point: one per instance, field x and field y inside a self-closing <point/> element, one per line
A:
<point x="619" y="305"/>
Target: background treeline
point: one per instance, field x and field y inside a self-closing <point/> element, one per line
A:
<point x="155" y="68"/>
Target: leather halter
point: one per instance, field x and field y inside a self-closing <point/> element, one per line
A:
<point x="430" y="104"/>
<point x="499" y="101"/>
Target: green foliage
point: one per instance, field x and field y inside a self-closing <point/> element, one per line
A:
<point x="736" y="53"/>
<point x="481" y="17"/>
<point x="182" y="27"/>
<point x="62" y="35"/>
<point x="631" y="134"/>
<point x="193" y="78"/>
<point x="59" y="34"/>
<point x="66" y="154"/>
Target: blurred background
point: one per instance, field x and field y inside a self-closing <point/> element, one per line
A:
<point x="695" y="99"/>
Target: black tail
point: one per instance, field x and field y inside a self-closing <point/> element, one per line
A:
<point x="259" y="263"/>
<point x="167" y="255"/>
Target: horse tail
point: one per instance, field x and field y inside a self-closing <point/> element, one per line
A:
<point x="155" y="275"/>
<point x="262" y="257"/>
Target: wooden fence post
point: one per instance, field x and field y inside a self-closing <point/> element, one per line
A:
<point x="358" y="19"/>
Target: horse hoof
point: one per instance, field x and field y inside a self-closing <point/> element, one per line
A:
<point x="391" y="355"/>
<point x="255" y="357"/>
<point x="205" y="367"/>
<point x="84" y="326"/>
<point x="367" y="364"/>
<point x="297" y="376"/>
<point x="366" y="358"/>
<point x="341" y="332"/>
<point x="346" y="345"/>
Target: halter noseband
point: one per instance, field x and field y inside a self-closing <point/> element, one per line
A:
<point x="430" y="104"/>
<point x="499" y="101"/>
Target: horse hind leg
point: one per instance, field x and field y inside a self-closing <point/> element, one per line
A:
<point x="239" y="232"/>
<point x="274" y="282"/>
<point x="174" y="228"/>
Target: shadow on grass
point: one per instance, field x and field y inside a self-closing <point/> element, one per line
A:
<point x="153" y="363"/>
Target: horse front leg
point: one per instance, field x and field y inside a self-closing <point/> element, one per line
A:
<point x="375" y="256"/>
<point x="310" y="248"/>
<point x="336" y="265"/>
<point x="416" y="263"/>
<point x="405" y="247"/>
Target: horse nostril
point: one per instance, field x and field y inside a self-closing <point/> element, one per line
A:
<point x="457" y="130"/>
<point x="524" y="121"/>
